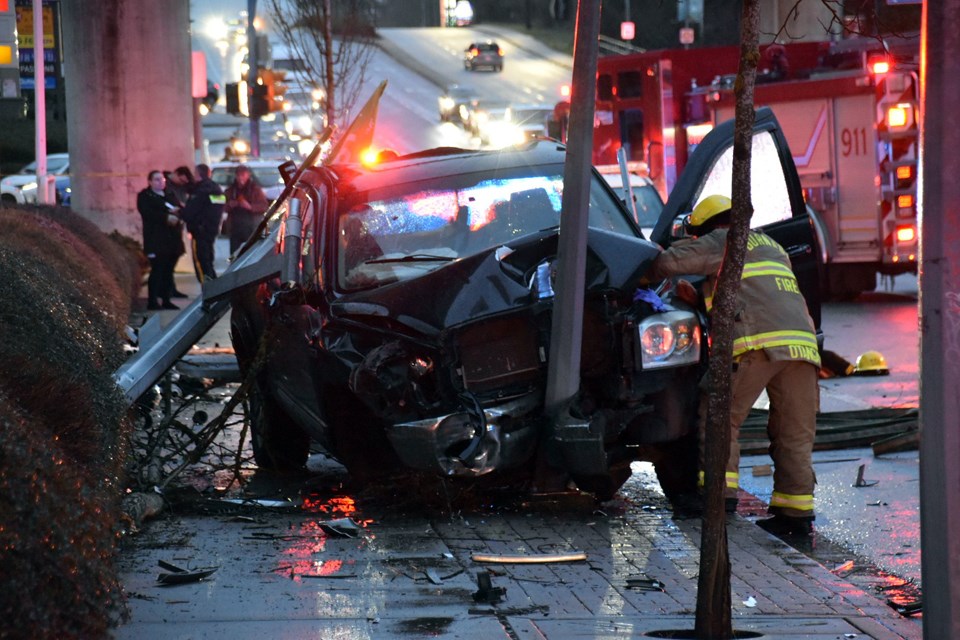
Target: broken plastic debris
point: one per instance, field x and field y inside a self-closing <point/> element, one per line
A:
<point x="433" y="576"/>
<point x="750" y="602"/>
<point x="341" y="527"/>
<point x="178" y="575"/>
<point x="262" y="502"/>
<point x="843" y="568"/>
<point x="535" y="558"/>
<point x="487" y="592"/>
<point x="860" y="482"/>
<point x="643" y="583"/>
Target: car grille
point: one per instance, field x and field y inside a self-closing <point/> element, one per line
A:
<point x="499" y="353"/>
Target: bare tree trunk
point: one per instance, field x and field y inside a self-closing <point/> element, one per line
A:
<point x="713" y="618"/>
<point x="328" y="63"/>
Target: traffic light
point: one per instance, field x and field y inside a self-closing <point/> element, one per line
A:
<point x="279" y="89"/>
<point x="232" y="94"/>
<point x="259" y="99"/>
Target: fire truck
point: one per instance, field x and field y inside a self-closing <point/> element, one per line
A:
<point x="849" y="109"/>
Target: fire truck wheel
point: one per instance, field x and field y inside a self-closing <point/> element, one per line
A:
<point x="278" y="444"/>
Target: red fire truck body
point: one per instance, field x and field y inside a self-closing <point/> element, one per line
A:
<point x="853" y="132"/>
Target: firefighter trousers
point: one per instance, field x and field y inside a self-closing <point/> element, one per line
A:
<point x="794" y="394"/>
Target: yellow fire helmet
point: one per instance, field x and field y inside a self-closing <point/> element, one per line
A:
<point x="871" y="363"/>
<point x="708" y="208"/>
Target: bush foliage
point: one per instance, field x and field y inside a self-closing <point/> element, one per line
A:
<point x="65" y="296"/>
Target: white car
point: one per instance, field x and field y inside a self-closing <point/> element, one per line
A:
<point x="21" y="187"/>
<point x="647" y="200"/>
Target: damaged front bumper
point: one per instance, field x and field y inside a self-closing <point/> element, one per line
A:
<point x="471" y="442"/>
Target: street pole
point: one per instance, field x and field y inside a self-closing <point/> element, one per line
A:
<point x="40" y="103"/>
<point x="563" y="373"/>
<point x="253" y="58"/>
<point x="940" y="320"/>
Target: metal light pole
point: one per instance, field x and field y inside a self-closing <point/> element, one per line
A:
<point x="254" y="61"/>
<point x="563" y="374"/>
<point x="940" y="320"/>
<point x="40" y="103"/>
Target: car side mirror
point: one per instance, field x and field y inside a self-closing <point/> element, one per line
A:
<point x="680" y="227"/>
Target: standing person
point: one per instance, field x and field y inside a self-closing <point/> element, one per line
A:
<point x="179" y="184"/>
<point x="246" y="204"/>
<point x="203" y="214"/>
<point x="161" y="239"/>
<point x="774" y="348"/>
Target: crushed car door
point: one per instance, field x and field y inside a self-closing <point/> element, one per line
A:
<point x="779" y="209"/>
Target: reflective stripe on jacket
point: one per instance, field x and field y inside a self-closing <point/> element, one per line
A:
<point x="771" y="312"/>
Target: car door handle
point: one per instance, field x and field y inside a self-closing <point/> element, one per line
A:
<point x="799" y="250"/>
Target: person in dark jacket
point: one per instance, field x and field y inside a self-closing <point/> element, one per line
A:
<point x="203" y="214"/>
<point x="179" y="184"/>
<point x="246" y="204"/>
<point x="161" y="239"/>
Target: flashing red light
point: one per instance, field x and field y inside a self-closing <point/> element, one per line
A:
<point x="565" y="91"/>
<point x="904" y="173"/>
<point x="906" y="234"/>
<point x="880" y="66"/>
<point x="369" y="157"/>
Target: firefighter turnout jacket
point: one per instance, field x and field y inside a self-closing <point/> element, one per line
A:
<point x="775" y="348"/>
<point x="771" y="312"/>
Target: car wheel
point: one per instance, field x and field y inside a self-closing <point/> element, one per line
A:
<point x="278" y="444"/>
<point x="676" y="464"/>
<point x="605" y="487"/>
<point x="359" y="441"/>
<point x="499" y="68"/>
<point x="8" y="200"/>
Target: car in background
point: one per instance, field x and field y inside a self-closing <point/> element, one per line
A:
<point x="12" y="187"/>
<point x="519" y="123"/>
<point x="647" y="203"/>
<point x="454" y="103"/>
<point x="61" y="185"/>
<point x="265" y="172"/>
<point x="483" y="54"/>
<point x="482" y="111"/>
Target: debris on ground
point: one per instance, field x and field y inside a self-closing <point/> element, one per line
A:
<point x="535" y="558"/>
<point x="177" y="575"/>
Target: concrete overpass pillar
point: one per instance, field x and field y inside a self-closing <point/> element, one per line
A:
<point x="129" y="110"/>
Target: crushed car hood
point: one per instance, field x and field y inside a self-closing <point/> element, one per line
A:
<point x="495" y="281"/>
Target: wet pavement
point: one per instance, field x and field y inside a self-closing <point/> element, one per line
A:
<point x="281" y="572"/>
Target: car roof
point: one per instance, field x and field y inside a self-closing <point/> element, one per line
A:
<point x="451" y="161"/>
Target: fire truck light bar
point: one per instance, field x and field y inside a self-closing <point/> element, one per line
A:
<point x="898" y="116"/>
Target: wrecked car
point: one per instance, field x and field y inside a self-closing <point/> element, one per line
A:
<point x="411" y="326"/>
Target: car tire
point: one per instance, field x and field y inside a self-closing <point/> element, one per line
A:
<point x="8" y="201"/>
<point x="499" y="68"/>
<point x="278" y="444"/>
<point x="358" y="439"/>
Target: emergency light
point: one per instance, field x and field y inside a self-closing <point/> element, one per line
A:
<point x="906" y="234"/>
<point x="879" y="66"/>
<point x="898" y="116"/>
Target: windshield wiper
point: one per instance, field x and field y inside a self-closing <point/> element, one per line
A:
<point x="416" y="257"/>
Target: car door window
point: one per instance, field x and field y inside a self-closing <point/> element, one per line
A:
<point x="768" y="187"/>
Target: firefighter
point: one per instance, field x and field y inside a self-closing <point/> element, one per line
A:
<point x="774" y="348"/>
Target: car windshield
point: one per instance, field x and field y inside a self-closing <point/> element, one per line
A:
<point x="407" y="230"/>
<point x="54" y="165"/>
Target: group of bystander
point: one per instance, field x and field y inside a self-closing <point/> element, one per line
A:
<point x="174" y="200"/>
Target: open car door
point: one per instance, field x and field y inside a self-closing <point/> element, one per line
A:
<point x="779" y="209"/>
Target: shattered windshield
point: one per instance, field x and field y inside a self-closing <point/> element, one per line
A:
<point x="407" y="230"/>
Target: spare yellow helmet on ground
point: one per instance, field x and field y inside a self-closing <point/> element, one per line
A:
<point x="708" y="208"/>
<point x="871" y="363"/>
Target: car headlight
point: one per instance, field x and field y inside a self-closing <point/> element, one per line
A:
<point x="446" y="103"/>
<point x="668" y="340"/>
